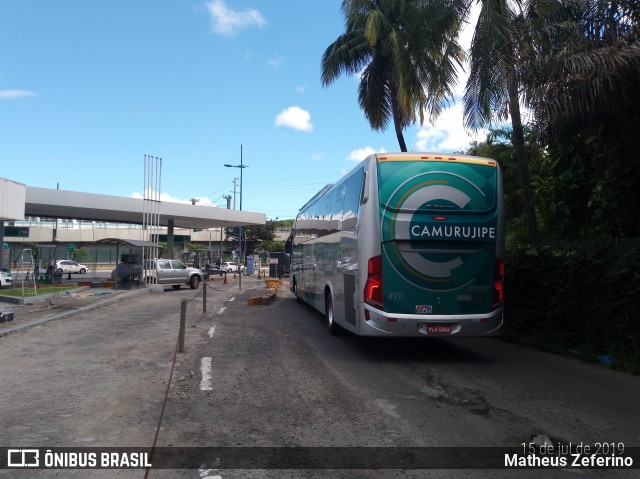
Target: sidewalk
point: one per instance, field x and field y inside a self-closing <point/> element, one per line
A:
<point x="75" y="302"/>
<point x="28" y="315"/>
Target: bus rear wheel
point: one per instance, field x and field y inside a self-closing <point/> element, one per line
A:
<point x="333" y="328"/>
<point x="295" y="291"/>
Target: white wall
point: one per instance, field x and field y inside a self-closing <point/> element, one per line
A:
<point x="12" y="197"/>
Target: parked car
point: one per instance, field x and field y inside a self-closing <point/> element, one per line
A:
<point x="231" y="267"/>
<point x="215" y="269"/>
<point x="171" y="271"/>
<point x="67" y="266"/>
<point x="5" y="279"/>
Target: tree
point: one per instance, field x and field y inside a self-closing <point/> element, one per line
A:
<point x="81" y="254"/>
<point x="499" y="146"/>
<point x="493" y="88"/>
<point x="581" y="79"/>
<point x="586" y="67"/>
<point x="272" y="245"/>
<point x="405" y="52"/>
<point x="253" y="234"/>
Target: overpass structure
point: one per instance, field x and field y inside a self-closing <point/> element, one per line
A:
<point x="18" y="201"/>
<point x="52" y="203"/>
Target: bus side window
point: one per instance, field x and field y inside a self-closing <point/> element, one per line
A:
<point x="352" y="199"/>
<point x="327" y="206"/>
<point x="365" y="189"/>
<point x="338" y="204"/>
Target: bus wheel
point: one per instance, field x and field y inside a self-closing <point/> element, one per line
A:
<point x="328" y="308"/>
<point x="295" y="292"/>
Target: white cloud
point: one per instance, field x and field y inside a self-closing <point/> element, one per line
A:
<point x="275" y="62"/>
<point x="317" y="156"/>
<point x="447" y="133"/>
<point x="15" y="94"/>
<point x="296" y="118"/>
<point x="362" y="153"/>
<point x="228" y="22"/>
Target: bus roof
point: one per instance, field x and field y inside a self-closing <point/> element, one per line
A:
<point x="443" y="157"/>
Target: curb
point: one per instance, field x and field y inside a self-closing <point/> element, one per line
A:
<point x="66" y="314"/>
<point x="40" y="297"/>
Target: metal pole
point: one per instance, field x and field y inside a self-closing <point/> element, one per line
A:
<point x="204" y="296"/>
<point x="183" y="321"/>
<point x="240" y="235"/>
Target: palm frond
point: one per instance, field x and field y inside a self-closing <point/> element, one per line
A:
<point x="492" y="57"/>
<point x="348" y="54"/>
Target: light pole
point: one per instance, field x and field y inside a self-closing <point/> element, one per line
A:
<point x="242" y="167"/>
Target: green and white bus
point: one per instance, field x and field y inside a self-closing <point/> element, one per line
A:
<point x="405" y="245"/>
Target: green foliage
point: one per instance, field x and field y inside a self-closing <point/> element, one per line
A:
<point x="582" y="297"/>
<point x="254" y="233"/>
<point x="272" y="246"/>
<point x="195" y="247"/>
<point x="162" y="251"/>
<point x="405" y="54"/>
<point x="499" y="146"/>
<point x="581" y="292"/>
<point x="81" y="254"/>
<point x="40" y="290"/>
<point x="590" y="186"/>
<point x="284" y="224"/>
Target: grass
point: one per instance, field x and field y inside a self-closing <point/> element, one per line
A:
<point x="28" y="291"/>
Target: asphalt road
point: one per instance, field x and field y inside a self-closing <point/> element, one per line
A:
<point x="271" y="376"/>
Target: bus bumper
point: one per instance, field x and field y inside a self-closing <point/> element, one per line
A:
<point x="378" y="323"/>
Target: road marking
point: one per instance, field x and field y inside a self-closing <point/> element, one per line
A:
<point x="231" y="299"/>
<point x="221" y="310"/>
<point x="205" y="474"/>
<point x="205" y="369"/>
<point x="211" y="331"/>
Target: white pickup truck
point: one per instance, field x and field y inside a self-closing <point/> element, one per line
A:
<point x="173" y="272"/>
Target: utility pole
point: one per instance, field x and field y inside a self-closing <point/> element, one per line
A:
<point x="235" y="180"/>
<point x="241" y="166"/>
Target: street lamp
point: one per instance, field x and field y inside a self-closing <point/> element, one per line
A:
<point x="242" y="167"/>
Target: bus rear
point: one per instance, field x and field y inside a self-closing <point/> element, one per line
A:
<point x="440" y="270"/>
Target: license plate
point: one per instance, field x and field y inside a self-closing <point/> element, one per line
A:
<point x="438" y="328"/>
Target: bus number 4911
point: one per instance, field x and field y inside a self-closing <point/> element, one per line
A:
<point x="395" y="296"/>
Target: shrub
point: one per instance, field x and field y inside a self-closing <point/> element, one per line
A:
<point x="582" y="297"/>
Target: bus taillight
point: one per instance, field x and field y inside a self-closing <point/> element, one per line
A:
<point x="373" y="286"/>
<point x="498" y="283"/>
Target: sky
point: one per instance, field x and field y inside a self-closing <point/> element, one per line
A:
<point x="89" y="87"/>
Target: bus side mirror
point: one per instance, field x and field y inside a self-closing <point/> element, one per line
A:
<point x="287" y="244"/>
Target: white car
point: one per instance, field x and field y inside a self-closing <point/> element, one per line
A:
<point x="230" y="267"/>
<point x="5" y="279"/>
<point x="67" y="266"/>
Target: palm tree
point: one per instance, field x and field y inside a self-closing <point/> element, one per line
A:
<point x="493" y="88"/>
<point x="588" y="64"/>
<point x="405" y="52"/>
